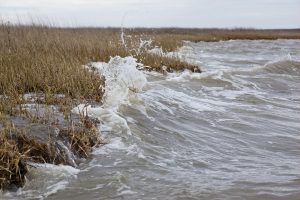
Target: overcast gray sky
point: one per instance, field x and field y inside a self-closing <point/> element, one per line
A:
<point x="157" y="13"/>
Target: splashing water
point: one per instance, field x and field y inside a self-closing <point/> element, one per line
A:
<point x="122" y="81"/>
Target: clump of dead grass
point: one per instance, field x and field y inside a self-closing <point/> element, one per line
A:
<point x="18" y="147"/>
<point x="161" y="63"/>
<point x="81" y="141"/>
<point x="12" y="164"/>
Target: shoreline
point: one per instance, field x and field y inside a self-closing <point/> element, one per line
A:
<point x="48" y="61"/>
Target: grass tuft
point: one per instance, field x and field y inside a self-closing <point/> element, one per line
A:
<point x="12" y="166"/>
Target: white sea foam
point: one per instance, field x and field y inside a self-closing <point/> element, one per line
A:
<point x="121" y="78"/>
<point x="157" y="51"/>
<point x="179" y="100"/>
<point x="62" y="170"/>
<point x="122" y="81"/>
<point x="109" y="116"/>
<point x="58" y="177"/>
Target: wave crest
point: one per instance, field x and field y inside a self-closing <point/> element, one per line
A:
<point x="283" y="67"/>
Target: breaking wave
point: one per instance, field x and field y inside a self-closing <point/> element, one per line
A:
<point x="288" y="67"/>
<point x="283" y="67"/>
<point x="122" y="82"/>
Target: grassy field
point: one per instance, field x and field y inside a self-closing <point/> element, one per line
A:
<point x="47" y="61"/>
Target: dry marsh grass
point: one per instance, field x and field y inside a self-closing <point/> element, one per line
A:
<point x="12" y="166"/>
<point x="38" y="59"/>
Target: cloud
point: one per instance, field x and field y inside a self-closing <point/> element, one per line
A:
<point x="184" y="13"/>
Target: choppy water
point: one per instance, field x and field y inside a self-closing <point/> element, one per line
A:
<point x="232" y="132"/>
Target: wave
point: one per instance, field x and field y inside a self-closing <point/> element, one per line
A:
<point x="122" y="81"/>
<point x="236" y="83"/>
<point x="283" y="67"/>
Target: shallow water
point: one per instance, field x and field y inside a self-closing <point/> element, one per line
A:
<point x="231" y="132"/>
